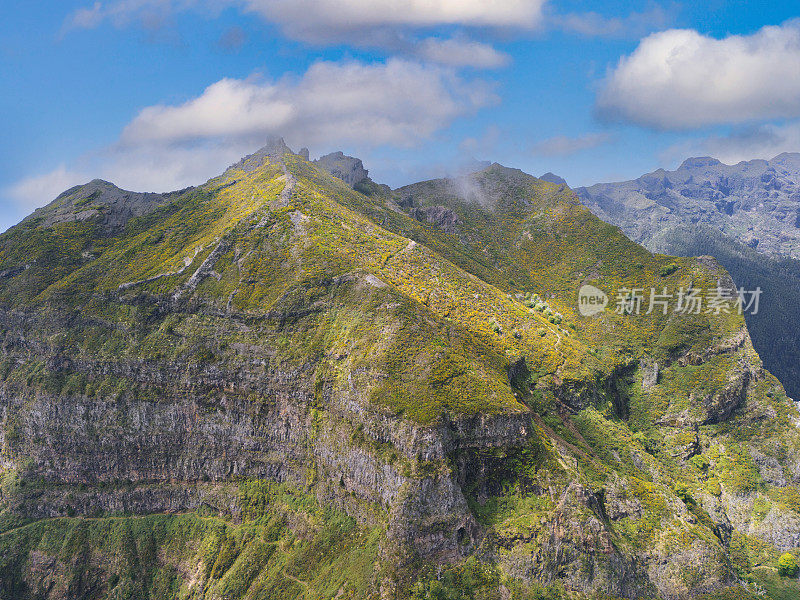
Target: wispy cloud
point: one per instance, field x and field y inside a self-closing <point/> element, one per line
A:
<point x="232" y="39"/>
<point x="33" y="191"/>
<point x="742" y="143"/>
<point x="331" y="20"/>
<point x="398" y="27"/>
<point x="631" y="26"/>
<point x="565" y="146"/>
<point x="459" y="52"/>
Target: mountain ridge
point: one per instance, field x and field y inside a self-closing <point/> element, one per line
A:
<point x="303" y="387"/>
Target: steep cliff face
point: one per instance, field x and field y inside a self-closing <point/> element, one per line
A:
<point x="746" y="215"/>
<point x="274" y="385"/>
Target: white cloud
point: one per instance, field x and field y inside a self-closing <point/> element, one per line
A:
<point x="397" y="102"/>
<point x="680" y="79"/>
<point x="353" y="104"/>
<point x="324" y="20"/>
<point x="315" y="20"/>
<point x="390" y="25"/>
<point x="564" y="146"/>
<point x="746" y="143"/>
<point x="149" y="13"/>
<point x="456" y="52"/>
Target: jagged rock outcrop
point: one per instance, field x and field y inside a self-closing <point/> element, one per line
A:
<point x="347" y="168"/>
<point x="275" y="148"/>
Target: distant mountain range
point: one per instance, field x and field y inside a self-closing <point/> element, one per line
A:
<point x="755" y="202"/>
<point x="746" y="215"/>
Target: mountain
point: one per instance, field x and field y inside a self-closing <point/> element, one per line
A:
<point x="746" y="215"/>
<point x="754" y="202"/>
<point x="285" y="383"/>
<point x="553" y="178"/>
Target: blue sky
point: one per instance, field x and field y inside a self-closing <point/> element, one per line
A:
<point x="160" y="94"/>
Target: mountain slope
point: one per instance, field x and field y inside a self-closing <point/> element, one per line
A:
<point x="745" y="215"/>
<point x="774" y="328"/>
<point x="275" y="385"/>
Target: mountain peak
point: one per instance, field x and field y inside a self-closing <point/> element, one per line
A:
<point x="100" y="199"/>
<point x="274" y="147"/>
<point x="699" y="161"/>
<point x="347" y="168"/>
<point x="553" y="178"/>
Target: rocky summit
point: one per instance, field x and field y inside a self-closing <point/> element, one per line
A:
<point x="292" y="382"/>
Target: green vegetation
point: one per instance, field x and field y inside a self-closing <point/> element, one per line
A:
<point x="773" y="327"/>
<point x="323" y="553"/>
<point x="787" y="565"/>
<point x="381" y="324"/>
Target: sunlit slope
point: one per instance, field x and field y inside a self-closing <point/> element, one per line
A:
<point x="414" y="357"/>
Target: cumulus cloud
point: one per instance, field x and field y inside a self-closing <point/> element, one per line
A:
<point x="680" y="79"/>
<point x="394" y="103"/>
<point x="565" y="146"/>
<point x="397" y="102"/>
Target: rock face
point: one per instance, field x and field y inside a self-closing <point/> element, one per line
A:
<point x="101" y="202"/>
<point x="277" y="386"/>
<point x="755" y="201"/>
<point x="275" y="148"/>
<point x="347" y="168"/>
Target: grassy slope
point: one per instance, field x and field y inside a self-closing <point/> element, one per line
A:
<point x="773" y="329"/>
<point x="194" y="556"/>
<point x="455" y="323"/>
